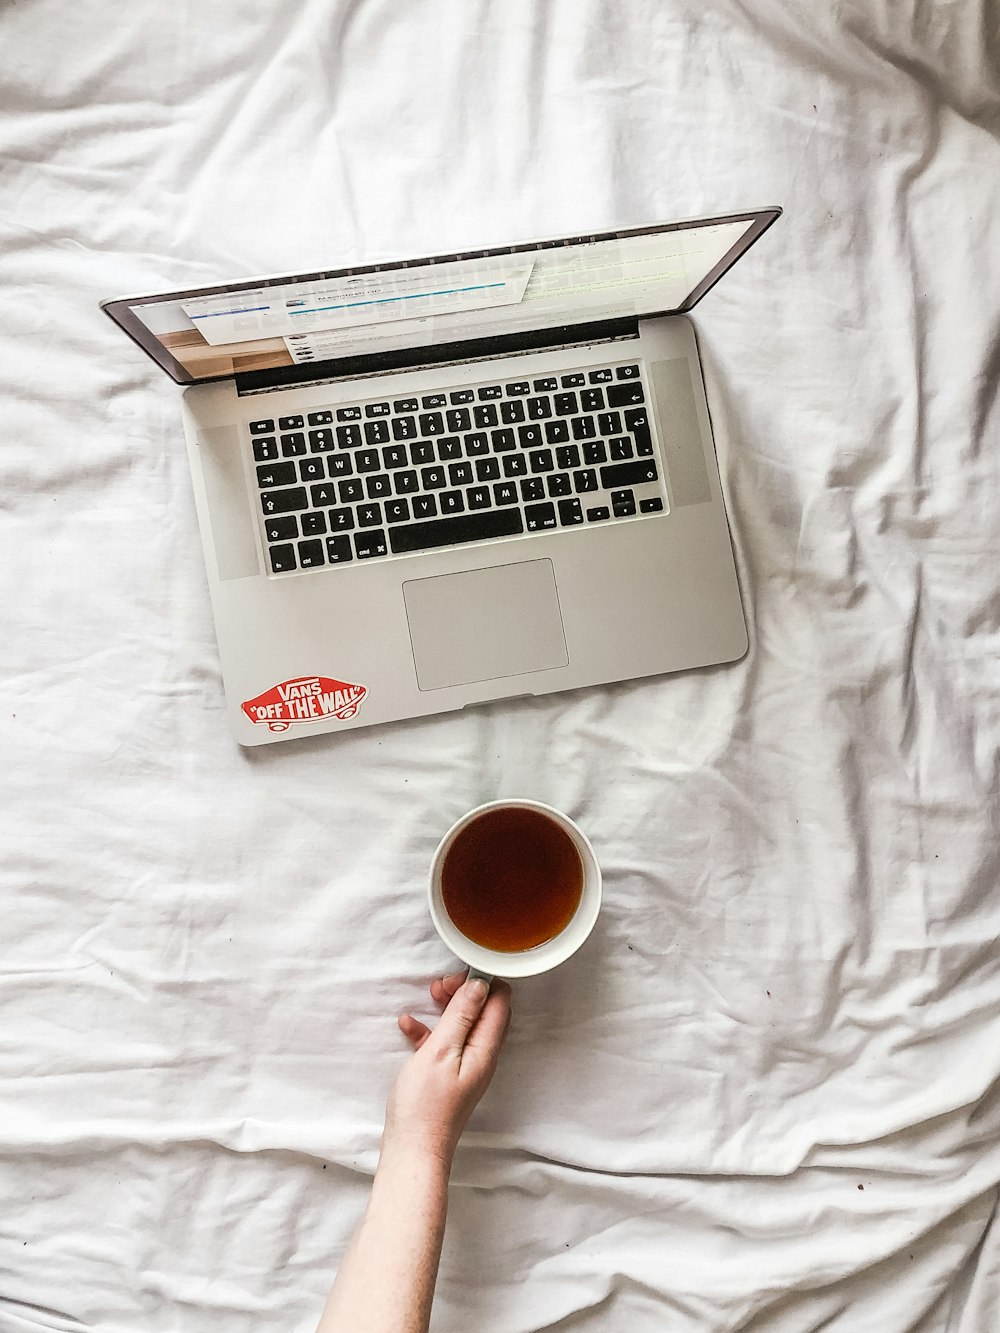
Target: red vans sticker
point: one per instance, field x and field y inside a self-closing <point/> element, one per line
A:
<point x="305" y="699"/>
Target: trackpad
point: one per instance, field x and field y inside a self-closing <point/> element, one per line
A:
<point x="485" y="624"/>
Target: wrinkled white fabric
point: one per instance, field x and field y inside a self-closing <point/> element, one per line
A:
<point x="764" y="1097"/>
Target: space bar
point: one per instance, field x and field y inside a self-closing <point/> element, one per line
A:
<point x="449" y="531"/>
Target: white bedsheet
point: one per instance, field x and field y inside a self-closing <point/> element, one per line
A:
<point x="764" y="1097"/>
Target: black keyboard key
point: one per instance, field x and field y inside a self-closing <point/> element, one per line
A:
<point x="559" y="484"/>
<point x="405" y="405"/>
<point x="351" y="491"/>
<point x="505" y="493"/>
<point x="395" y="455"/>
<point x="568" y="456"/>
<point x="405" y="483"/>
<point x="511" y="411"/>
<point x="460" y="474"/>
<point x="485" y="415"/>
<point x="546" y="385"/>
<point x="404" y="428"/>
<point x="348" y="413"/>
<point x="431" y="423"/>
<point x="503" y="439"/>
<point x="491" y="391"/>
<point x="595" y="452"/>
<point x="372" y="543"/>
<point x="397" y="511"/>
<point x="422" y="452"/>
<point x="311" y="554"/>
<point x="533" y="488"/>
<point x="541" y="460"/>
<point x="284" y="502"/>
<point x="261" y="427"/>
<point x="573" y="381"/>
<point x="479" y="497"/>
<point x="290" y="423"/>
<point x="368" y="460"/>
<point x="515" y="465"/>
<point x="369" y="515"/>
<point x="652" y="505"/>
<point x="599" y="514"/>
<point x="539" y="408"/>
<point x="463" y="396"/>
<point x="519" y="386"/>
<point x="591" y="400"/>
<point x="459" y="418"/>
<point x="584" y="428"/>
<point x="620" y="448"/>
<point x="320" y="418"/>
<point x="487" y="469"/>
<point x="377" y="432"/>
<point x="449" y="449"/>
<point x="529" y="436"/>
<point x="378" y="487"/>
<point x="341" y="520"/>
<point x="637" y="422"/>
<point x="609" y="423"/>
<point x="282" y="559"/>
<point x="265" y="449"/>
<point x="338" y="550"/>
<point x="432" y="478"/>
<point x="570" y="513"/>
<point x="433" y="400"/>
<point x="539" y="517"/>
<point x="451" y="502"/>
<point x="378" y="410"/>
<point x="312" y="469"/>
<point x="293" y="445"/>
<point x="566" y="404"/>
<point x="280" y="529"/>
<point x="625" y="395"/>
<point x="628" y="474"/>
<point x="623" y="508"/>
<point x="599" y="376"/>
<point x="323" y="495"/>
<point x="449" y="531"/>
<point x="349" y="437"/>
<point x="627" y="372"/>
<point x="556" y="432"/>
<point x="585" y="481"/>
<point x="321" y="440"/>
<point x="340" y="465"/>
<point x="477" y="444"/>
<point x="424" y="506"/>
<point x="276" y="474"/>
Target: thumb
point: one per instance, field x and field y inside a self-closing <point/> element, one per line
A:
<point x="459" y="1018"/>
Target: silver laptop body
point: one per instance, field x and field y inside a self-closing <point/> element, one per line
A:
<point x="427" y="484"/>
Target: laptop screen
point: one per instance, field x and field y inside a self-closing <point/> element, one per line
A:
<point x="276" y="323"/>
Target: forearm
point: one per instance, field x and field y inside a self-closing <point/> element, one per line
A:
<point x="386" y="1280"/>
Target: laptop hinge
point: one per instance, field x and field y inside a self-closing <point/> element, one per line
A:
<point x="440" y="354"/>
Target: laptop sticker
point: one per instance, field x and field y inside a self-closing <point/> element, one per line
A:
<point x="305" y="699"/>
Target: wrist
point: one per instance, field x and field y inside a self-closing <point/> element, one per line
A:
<point x="431" y="1154"/>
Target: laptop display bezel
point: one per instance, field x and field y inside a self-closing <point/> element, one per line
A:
<point x="121" y="309"/>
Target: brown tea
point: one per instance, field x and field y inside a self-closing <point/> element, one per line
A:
<point x="512" y="879"/>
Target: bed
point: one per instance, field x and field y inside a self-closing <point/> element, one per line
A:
<point x="764" y="1096"/>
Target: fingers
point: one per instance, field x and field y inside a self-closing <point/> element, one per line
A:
<point x="459" y="1018"/>
<point x="443" y="988"/>
<point x="412" y="1028"/>
<point x="489" y="1034"/>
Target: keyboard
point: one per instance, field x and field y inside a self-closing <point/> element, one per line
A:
<point x="390" y="477"/>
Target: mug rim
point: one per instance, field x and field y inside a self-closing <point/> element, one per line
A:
<point x="541" y="957"/>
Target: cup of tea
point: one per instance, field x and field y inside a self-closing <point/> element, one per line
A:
<point x="515" y="888"/>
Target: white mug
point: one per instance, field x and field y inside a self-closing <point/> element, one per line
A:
<point x="488" y="963"/>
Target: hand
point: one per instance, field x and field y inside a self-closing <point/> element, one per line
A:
<point x="439" y="1087"/>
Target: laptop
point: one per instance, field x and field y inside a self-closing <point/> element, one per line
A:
<point x="425" y="484"/>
